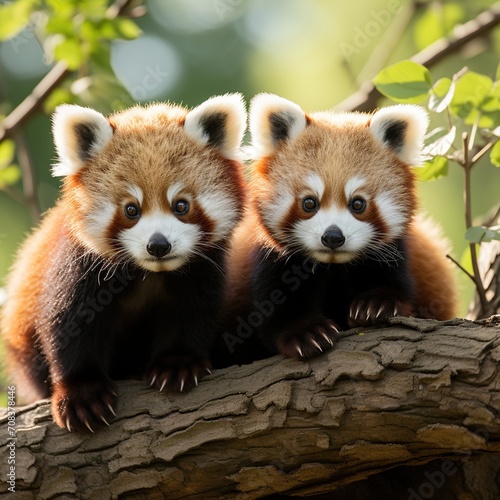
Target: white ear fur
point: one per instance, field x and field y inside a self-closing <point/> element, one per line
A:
<point x="402" y="129"/>
<point x="272" y="120"/>
<point x="220" y="121"/>
<point x="79" y="133"/>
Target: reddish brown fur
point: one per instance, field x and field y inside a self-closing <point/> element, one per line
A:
<point x="340" y="146"/>
<point x="149" y="149"/>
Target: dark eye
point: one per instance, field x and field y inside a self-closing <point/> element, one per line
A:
<point x="132" y="211"/>
<point x="310" y="204"/>
<point x="357" y="205"/>
<point x="181" y="207"/>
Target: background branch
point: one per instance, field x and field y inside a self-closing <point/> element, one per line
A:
<point x="366" y="99"/>
<point x="28" y="174"/>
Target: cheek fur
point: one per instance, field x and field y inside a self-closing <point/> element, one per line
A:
<point x="394" y="218"/>
<point x="278" y="215"/>
<point x="217" y="214"/>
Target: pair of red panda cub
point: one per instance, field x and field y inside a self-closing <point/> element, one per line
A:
<point x="160" y="249"/>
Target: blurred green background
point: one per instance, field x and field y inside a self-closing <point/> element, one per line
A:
<point x="314" y="52"/>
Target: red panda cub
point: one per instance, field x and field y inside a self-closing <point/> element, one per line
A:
<point x="125" y="276"/>
<point x="338" y="244"/>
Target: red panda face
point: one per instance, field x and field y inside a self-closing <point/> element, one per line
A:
<point x="335" y="186"/>
<point x="155" y="186"/>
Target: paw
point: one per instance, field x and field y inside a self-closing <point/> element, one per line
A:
<point x="83" y="406"/>
<point x="376" y="310"/>
<point x="178" y="373"/>
<point x="308" y="342"/>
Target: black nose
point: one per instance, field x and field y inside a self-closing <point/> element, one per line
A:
<point x="333" y="238"/>
<point x="158" y="246"/>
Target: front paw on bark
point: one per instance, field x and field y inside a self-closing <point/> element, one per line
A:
<point x="376" y="311"/>
<point x="83" y="406"/>
<point x="178" y="373"/>
<point x="308" y="342"/>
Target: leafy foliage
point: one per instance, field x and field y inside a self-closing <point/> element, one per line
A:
<point x="79" y="34"/>
<point x="469" y="99"/>
<point x="9" y="172"/>
<point x="74" y="32"/>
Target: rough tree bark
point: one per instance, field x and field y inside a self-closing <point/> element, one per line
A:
<point x="407" y="394"/>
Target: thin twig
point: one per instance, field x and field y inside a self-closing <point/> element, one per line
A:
<point x="482" y="151"/>
<point x="462" y="268"/>
<point x="28" y="174"/>
<point x="367" y="97"/>
<point x="492" y="220"/>
<point x="468" y="222"/>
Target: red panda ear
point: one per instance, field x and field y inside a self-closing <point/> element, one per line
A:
<point x="402" y="129"/>
<point x="79" y="133"/>
<point x="273" y="120"/>
<point x="219" y="122"/>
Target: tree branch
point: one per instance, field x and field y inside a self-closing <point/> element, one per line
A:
<point x="32" y="104"/>
<point x="367" y="97"/>
<point x="409" y="393"/>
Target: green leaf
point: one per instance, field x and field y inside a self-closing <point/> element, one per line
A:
<point x="495" y="154"/>
<point x="9" y="175"/>
<point x="7" y="151"/>
<point x="15" y="17"/>
<point x="482" y="234"/>
<point x="127" y="29"/>
<point x="60" y="25"/>
<point x="405" y="81"/>
<point x="69" y="51"/>
<point x="441" y="95"/>
<point x="471" y="91"/>
<point x="433" y="169"/>
<point x="441" y="145"/>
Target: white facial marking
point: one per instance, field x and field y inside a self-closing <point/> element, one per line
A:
<point x="276" y="211"/>
<point x="223" y="210"/>
<point x="352" y="185"/>
<point x="173" y="191"/>
<point x="394" y="217"/>
<point x="183" y="238"/>
<point x="136" y="192"/>
<point x="96" y="224"/>
<point x="316" y="184"/>
<point x="357" y="234"/>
